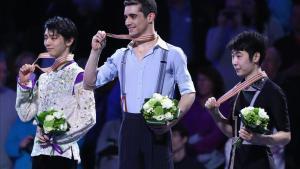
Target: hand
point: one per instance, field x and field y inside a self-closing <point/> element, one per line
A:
<point x="247" y="135"/>
<point x="43" y="138"/>
<point x="25" y="73"/>
<point x="212" y="105"/>
<point x="25" y="142"/>
<point x="162" y="129"/>
<point x="99" y="40"/>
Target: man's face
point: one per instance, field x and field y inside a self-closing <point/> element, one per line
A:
<point x="3" y="73"/>
<point x="242" y="64"/>
<point x="135" y="21"/>
<point x="54" y="43"/>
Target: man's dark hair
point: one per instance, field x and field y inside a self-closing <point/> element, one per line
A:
<point x="147" y="6"/>
<point x="250" y="42"/>
<point x="64" y="27"/>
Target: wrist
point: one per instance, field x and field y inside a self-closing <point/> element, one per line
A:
<point x="96" y="51"/>
<point x="215" y="112"/>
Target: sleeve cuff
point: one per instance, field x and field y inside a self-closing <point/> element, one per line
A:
<point x="29" y="85"/>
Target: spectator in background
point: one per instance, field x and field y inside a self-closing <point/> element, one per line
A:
<point x="239" y="16"/>
<point x="281" y="10"/>
<point x="19" y="144"/>
<point x="180" y="12"/>
<point x="8" y="113"/>
<point x="182" y="159"/>
<point x="107" y="145"/>
<point x="288" y="46"/>
<point x="271" y="63"/>
<point x="107" y="142"/>
<point x="24" y="57"/>
<point x="205" y="137"/>
<point x="19" y="141"/>
<point x="257" y="16"/>
<point x="229" y="24"/>
<point x="114" y="110"/>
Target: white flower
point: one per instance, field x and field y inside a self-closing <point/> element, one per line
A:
<point x="159" y="117"/>
<point x="247" y="110"/>
<point x="166" y="103"/>
<point x="149" y="110"/>
<point x="63" y="127"/>
<point x="258" y="122"/>
<point x="49" y="117"/>
<point x="48" y="129"/>
<point x="244" y="111"/>
<point x="250" y="108"/>
<point x="263" y="114"/>
<point x="157" y="96"/>
<point x="168" y="116"/>
<point x="58" y="114"/>
<point x="146" y="106"/>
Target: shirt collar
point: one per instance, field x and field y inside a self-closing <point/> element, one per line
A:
<point x="258" y="85"/>
<point x="160" y="43"/>
<point x="65" y="65"/>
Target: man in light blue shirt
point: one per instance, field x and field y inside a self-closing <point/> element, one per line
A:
<point x="138" y="67"/>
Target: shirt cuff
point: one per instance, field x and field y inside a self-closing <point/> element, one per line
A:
<point x="29" y="85"/>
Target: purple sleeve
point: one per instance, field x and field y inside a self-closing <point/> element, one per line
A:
<point x="79" y="79"/>
<point x="32" y="78"/>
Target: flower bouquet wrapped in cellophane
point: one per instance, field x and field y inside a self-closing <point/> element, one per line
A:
<point x="254" y="119"/>
<point x="158" y="109"/>
<point x="52" y="123"/>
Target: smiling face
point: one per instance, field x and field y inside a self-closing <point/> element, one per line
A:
<point x="55" y="44"/>
<point x="244" y="67"/>
<point x="135" y="21"/>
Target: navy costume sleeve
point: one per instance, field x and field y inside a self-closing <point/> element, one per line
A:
<point x="277" y="106"/>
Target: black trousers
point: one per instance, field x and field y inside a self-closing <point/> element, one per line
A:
<point x="53" y="162"/>
<point x="253" y="157"/>
<point x="140" y="148"/>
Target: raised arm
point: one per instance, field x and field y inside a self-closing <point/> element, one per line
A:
<point x="27" y="93"/>
<point x="221" y="121"/>
<point x="90" y="74"/>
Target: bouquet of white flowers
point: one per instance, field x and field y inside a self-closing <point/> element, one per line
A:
<point x="53" y="123"/>
<point x="158" y="110"/>
<point x="255" y="120"/>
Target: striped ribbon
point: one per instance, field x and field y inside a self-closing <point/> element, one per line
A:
<point x="141" y="39"/>
<point x="58" y="61"/>
<point x="241" y="86"/>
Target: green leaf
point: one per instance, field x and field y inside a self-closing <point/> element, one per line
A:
<point x="158" y="111"/>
